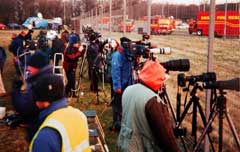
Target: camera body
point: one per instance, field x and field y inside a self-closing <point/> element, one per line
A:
<point x="205" y="77"/>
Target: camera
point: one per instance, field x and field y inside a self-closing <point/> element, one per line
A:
<point x="205" y="77"/>
<point x="177" y="65"/>
<point x="233" y="84"/>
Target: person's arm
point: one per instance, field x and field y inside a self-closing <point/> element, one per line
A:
<point x="48" y="140"/>
<point x="160" y="123"/>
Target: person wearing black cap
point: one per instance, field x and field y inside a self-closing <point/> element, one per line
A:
<point x="63" y="128"/>
<point x="121" y="78"/>
<point x="22" y="100"/>
<point x="92" y="53"/>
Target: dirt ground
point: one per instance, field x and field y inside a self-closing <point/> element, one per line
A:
<point x="226" y="64"/>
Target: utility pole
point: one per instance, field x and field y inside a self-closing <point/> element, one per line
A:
<point x="101" y="17"/>
<point x="204" y="5"/>
<point x="110" y="16"/>
<point x="176" y="11"/>
<point x="149" y="17"/>
<point x="210" y="63"/>
<point x="64" y="12"/>
<point x="162" y="9"/>
<point x="225" y="20"/>
<point x="124" y="16"/>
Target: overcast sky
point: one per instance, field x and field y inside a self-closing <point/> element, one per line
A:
<point x="193" y="1"/>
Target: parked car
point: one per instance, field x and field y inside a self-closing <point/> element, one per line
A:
<point x="14" y="26"/>
<point x="182" y="26"/>
<point x="3" y="27"/>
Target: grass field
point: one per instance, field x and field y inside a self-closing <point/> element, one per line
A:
<point x="226" y="64"/>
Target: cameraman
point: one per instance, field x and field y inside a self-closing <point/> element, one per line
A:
<point x="121" y="78"/>
<point x="92" y="53"/>
<point x="71" y="55"/>
<point x="146" y="41"/>
<point x="146" y="124"/>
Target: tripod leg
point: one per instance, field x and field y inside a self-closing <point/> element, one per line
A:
<point x="184" y="113"/>
<point x="220" y="130"/>
<point x="205" y="123"/>
<point x="173" y="114"/>
<point x="233" y="129"/>
<point x="205" y="131"/>
<point x="194" y="122"/>
<point x="170" y="105"/>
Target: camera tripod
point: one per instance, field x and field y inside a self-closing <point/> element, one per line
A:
<point x="98" y="73"/>
<point x="194" y="100"/>
<point x="219" y="108"/>
<point x="164" y="96"/>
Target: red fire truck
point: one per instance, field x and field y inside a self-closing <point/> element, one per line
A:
<point x="200" y="27"/>
<point x="161" y="25"/>
<point x="129" y="25"/>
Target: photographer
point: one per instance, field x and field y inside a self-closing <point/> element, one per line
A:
<point x="22" y="99"/>
<point x="92" y="53"/>
<point x="71" y="55"/>
<point x="17" y="48"/>
<point x="146" y="41"/>
<point x="121" y="78"/>
<point x="146" y="124"/>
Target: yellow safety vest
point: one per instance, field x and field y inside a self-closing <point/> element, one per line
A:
<point x="72" y="125"/>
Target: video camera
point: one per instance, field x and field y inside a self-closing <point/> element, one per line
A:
<point x="141" y="49"/>
<point x="205" y="77"/>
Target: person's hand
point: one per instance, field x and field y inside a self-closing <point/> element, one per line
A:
<point x="81" y="48"/>
<point x="24" y="86"/>
<point x="76" y="45"/>
<point x="119" y="91"/>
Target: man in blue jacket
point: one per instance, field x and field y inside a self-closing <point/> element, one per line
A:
<point x="16" y="48"/>
<point x="63" y="128"/>
<point x="121" y="78"/>
<point x="22" y="98"/>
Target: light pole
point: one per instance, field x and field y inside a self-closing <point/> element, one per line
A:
<point x="204" y="5"/>
<point x="162" y="9"/>
<point x="124" y="16"/>
<point x="110" y="16"/>
<point x="225" y="20"/>
<point x="210" y="63"/>
<point x="149" y="17"/>
<point x="64" y="12"/>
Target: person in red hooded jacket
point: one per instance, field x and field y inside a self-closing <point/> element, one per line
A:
<point x="146" y="125"/>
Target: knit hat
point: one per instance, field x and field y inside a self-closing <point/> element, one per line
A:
<point x="124" y="42"/>
<point x="38" y="60"/>
<point x="93" y="36"/>
<point x="73" y="39"/>
<point x="152" y="75"/>
<point x="49" y="87"/>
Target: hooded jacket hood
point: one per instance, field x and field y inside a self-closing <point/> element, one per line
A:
<point x="152" y="75"/>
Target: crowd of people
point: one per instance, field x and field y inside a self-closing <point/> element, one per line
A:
<point x="140" y="117"/>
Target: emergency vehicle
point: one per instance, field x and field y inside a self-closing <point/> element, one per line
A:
<point x="200" y="27"/>
<point x="129" y="25"/>
<point x="161" y="25"/>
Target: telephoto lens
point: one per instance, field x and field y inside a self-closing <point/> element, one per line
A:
<point x="166" y="50"/>
<point x="177" y="65"/>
